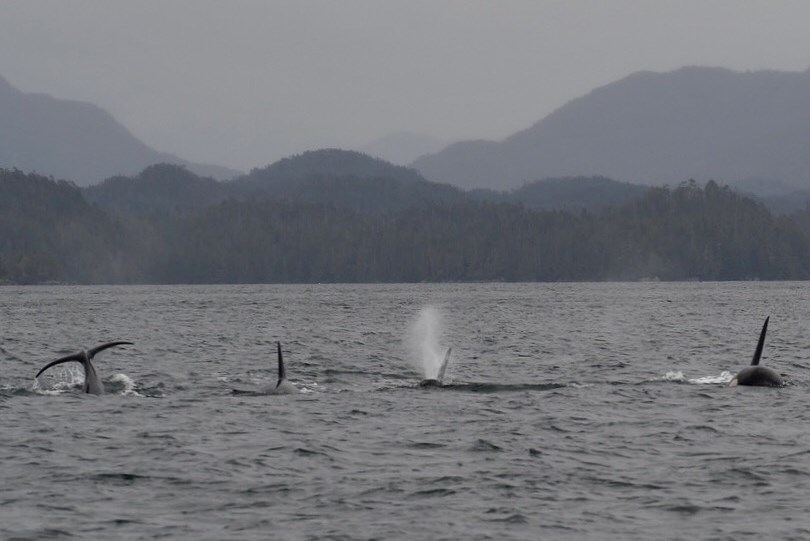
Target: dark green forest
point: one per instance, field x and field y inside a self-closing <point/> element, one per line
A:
<point x="318" y="219"/>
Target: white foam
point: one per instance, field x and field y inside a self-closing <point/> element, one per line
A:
<point x="67" y="378"/>
<point x="723" y="378"/>
<point x="677" y="376"/>
<point x="129" y="384"/>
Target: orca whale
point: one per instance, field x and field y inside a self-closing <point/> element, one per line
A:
<point x="92" y="382"/>
<point x="758" y="375"/>
<point x="283" y="386"/>
<point x="437" y="382"/>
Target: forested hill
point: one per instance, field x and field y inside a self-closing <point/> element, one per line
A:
<point x="569" y="193"/>
<point x="158" y="188"/>
<point x="50" y="232"/>
<point x="343" y="179"/>
<point x="330" y="162"/>
<point x="346" y="179"/>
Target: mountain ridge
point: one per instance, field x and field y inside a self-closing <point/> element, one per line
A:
<point x="652" y="128"/>
<point x="75" y="140"/>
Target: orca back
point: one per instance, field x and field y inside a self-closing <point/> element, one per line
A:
<point x="755" y="375"/>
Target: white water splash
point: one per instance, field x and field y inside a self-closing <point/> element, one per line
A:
<point x="724" y="378"/>
<point x="66" y="378"/>
<point x="423" y="342"/>
<point x="677" y="376"/>
<point x="128" y="383"/>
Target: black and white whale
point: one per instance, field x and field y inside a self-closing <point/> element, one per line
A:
<point x="92" y="383"/>
<point x="437" y="382"/>
<point x="755" y="374"/>
<point x="282" y="386"/>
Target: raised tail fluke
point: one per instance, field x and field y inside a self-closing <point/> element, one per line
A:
<point x="761" y="343"/>
<point x="77" y="357"/>
<point x="282" y="372"/>
<point x="92" y="382"/>
<point x="92" y="352"/>
<point x="443" y="367"/>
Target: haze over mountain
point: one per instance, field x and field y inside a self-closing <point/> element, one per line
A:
<point x="402" y="148"/>
<point x="74" y="140"/>
<point x="653" y="128"/>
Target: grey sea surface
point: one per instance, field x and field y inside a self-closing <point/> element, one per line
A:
<point x="574" y="411"/>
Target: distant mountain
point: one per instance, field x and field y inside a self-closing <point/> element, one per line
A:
<point x="346" y="179"/>
<point x="74" y="140"/>
<point x="402" y="148"/>
<point x="653" y="128"/>
<point x="570" y="193"/>
<point x="331" y="161"/>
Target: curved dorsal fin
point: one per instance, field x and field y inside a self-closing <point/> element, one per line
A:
<point x="761" y="343"/>
<point x="443" y="367"/>
<point x="282" y="372"/>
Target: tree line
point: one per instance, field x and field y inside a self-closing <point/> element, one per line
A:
<point x="51" y="232"/>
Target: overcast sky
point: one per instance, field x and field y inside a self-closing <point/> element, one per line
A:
<point x="243" y="83"/>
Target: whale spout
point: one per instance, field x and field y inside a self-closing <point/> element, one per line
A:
<point x="438" y="380"/>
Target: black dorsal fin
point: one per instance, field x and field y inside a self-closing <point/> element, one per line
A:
<point x="443" y="367"/>
<point x="282" y="372"/>
<point x="761" y="343"/>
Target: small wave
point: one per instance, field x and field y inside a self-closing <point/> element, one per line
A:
<point x="303" y="388"/>
<point x="119" y="477"/>
<point x="514" y="518"/>
<point x="502" y="387"/>
<point x="684" y="509"/>
<point x="425" y="445"/>
<point x="302" y="451"/>
<point x="433" y="493"/>
<point x="485" y="446"/>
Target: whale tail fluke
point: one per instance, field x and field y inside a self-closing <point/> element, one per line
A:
<point x="77" y="357"/>
<point x="92" y="383"/>
<point x="761" y="343"/>
<point x="98" y="349"/>
<point x="82" y="357"/>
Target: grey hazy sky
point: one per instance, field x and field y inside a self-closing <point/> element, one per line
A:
<point x="243" y="83"/>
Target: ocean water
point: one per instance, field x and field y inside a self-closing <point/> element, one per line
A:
<point x="573" y="411"/>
